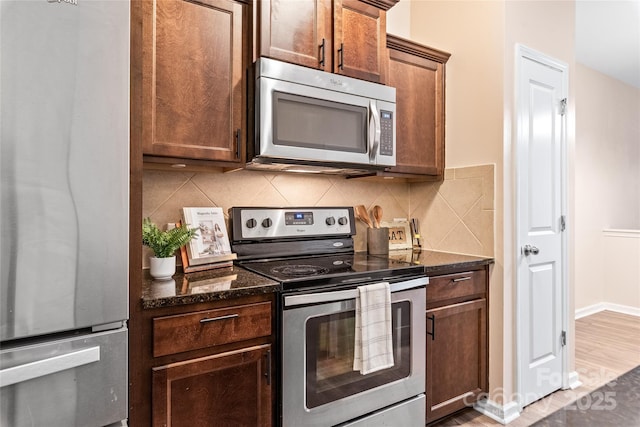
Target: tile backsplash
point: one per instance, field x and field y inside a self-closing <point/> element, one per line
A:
<point x="456" y="215"/>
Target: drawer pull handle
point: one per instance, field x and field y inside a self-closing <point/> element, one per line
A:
<point x="215" y="319"/>
<point x="268" y="371"/>
<point x="433" y="327"/>
<point x="461" y="279"/>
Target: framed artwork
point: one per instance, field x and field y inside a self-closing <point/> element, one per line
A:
<point x="211" y="245"/>
<point x="399" y="234"/>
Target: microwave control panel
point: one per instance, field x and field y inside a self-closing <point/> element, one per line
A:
<point x="386" y="133"/>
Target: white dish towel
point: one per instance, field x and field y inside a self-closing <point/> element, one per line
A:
<point x="373" y="338"/>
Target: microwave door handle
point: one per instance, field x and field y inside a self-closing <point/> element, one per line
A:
<point x="374" y="134"/>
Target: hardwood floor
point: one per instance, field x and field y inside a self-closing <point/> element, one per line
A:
<point x="607" y="346"/>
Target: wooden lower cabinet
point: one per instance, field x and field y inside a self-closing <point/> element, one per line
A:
<point x="456" y="357"/>
<point x="203" y="364"/>
<point x="228" y="389"/>
<point x="457" y="342"/>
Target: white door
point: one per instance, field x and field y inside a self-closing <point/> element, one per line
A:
<point x="541" y="138"/>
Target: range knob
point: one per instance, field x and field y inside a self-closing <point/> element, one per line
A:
<point x="342" y="220"/>
<point x="330" y="220"/>
<point x="251" y="223"/>
<point x="266" y="223"/>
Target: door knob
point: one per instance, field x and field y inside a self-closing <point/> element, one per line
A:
<point x="528" y="249"/>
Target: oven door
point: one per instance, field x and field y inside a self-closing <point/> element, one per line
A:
<point x="319" y="385"/>
<point x="301" y="123"/>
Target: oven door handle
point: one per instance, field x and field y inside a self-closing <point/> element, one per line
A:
<point x="346" y="294"/>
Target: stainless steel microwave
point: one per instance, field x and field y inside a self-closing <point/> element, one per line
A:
<point x="311" y="120"/>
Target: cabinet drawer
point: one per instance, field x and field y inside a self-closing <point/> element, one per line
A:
<point x="191" y="331"/>
<point x="456" y="286"/>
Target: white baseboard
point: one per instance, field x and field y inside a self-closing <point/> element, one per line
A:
<point x="503" y="414"/>
<point x="601" y="306"/>
<point x="573" y="380"/>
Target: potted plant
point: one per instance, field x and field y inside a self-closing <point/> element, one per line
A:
<point x="164" y="245"/>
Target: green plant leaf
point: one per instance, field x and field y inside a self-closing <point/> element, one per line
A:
<point x="165" y="243"/>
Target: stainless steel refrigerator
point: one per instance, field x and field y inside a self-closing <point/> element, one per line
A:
<point x="64" y="208"/>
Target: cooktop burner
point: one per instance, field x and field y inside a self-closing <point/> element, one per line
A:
<point x="299" y="270"/>
<point x="321" y="270"/>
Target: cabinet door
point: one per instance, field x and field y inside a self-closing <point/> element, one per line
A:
<point x="456" y="357"/>
<point x="417" y="73"/>
<point x="299" y="32"/>
<point x="359" y="40"/>
<point x="193" y="78"/>
<point x="229" y="389"/>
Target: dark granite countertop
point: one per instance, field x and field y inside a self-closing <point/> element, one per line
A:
<point x="211" y="285"/>
<point x="234" y="282"/>
<point x="435" y="261"/>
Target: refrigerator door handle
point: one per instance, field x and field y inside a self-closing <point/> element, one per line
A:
<point x="40" y="368"/>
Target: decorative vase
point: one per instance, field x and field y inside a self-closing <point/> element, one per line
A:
<point x="162" y="268"/>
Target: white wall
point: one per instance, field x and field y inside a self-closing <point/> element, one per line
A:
<point x="621" y="260"/>
<point x="603" y="139"/>
<point x="473" y="32"/>
<point x="481" y="36"/>
<point x="399" y="19"/>
<point x="607" y="178"/>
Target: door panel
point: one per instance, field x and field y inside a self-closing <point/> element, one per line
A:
<point x="540" y="208"/>
<point x="227" y="389"/>
<point x="193" y="70"/>
<point x="300" y="34"/>
<point x="541" y="325"/>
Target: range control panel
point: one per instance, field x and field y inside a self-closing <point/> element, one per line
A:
<point x="273" y="223"/>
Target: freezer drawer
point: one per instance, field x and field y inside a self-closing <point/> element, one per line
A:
<point x="79" y="381"/>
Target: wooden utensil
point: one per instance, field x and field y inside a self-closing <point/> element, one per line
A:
<point x="362" y="215"/>
<point x="376" y="212"/>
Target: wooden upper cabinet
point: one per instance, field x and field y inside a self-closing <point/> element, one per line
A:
<point x="341" y="36"/>
<point x="360" y="39"/>
<point x="299" y="32"/>
<point x="193" y="79"/>
<point x="418" y="74"/>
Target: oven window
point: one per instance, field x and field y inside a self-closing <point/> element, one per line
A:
<point x="329" y="356"/>
<point x="301" y="121"/>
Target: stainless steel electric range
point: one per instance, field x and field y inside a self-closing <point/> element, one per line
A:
<point x="310" y="251"/>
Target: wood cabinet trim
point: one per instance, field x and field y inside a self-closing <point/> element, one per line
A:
<point x="381" y="4"/>
<point x="416" y="49"/>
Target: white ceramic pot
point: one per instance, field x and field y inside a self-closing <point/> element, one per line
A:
<point x="162" y="268"/>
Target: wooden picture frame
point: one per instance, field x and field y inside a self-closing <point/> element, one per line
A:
<point x="211" y="247"/>
<point x="399" y="234"/>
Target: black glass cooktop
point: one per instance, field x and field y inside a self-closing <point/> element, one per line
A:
<point x="319" y="270"/>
